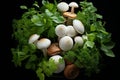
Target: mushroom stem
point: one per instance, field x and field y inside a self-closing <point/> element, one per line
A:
<point x="69" y="21"/>
<point x="44" y="52"/>
<point x="72" y="9"/>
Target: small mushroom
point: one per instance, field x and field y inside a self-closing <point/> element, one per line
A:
<point x="71" y="71"/>
<point x="33" y="38"/>
<point x="66" y="43"/>
<point x="63" y="6"/>
<point x="43" y="44"/>
<point x="78" y="25"/>
<point x="73" y="5"/>
<point x="71" y="31"/>
<point x="59" y="61"/>
<point x="78" y="40"/>
<point x="60" y="30"/>
<point x="53" y="49"/>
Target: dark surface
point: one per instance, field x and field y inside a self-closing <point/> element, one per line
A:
<point x="108" y="8"/>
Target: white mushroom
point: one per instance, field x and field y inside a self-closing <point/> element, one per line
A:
<point x="59" y="61"/>
<point x="71" y="31"/>
<point x="33" y="38"/>
<point x="79" y="40"/>
<point x="63" y="6"/>
<point x="73" y="5"/>
<point x="66" y="43"/>
<point x="60" y="30"/>
<point x="78" y="25"/>
<point x="43" y="44"/>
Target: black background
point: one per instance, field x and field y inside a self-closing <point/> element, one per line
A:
<point x="10" y="9"/>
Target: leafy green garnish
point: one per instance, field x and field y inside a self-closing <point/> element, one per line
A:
<point x="42" y="21"/>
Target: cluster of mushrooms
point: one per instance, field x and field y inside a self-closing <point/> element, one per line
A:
<point x="68" y="34"/>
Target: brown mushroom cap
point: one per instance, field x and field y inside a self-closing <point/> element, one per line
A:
<point x="53" y="49"/>
<point x="70" y="15"/>
<point x="71" y="71"/>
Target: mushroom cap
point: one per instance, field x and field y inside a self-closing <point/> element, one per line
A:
<point x="60" y="30"/>
<point x="63" y="6"/>
<point x="60" y="65"/>
<point x="71" y="71"/>
<point x="71" y="31"/>
<point x="66" y="43"/>
<point x="79" y="40"/>
<point x="79" y="27"/>
<point x="33" y="38"/>
<point x="70" y="15"/>
<point x="73" y="4"/>
<point x="43" y="43"/>
<point x="53" y="49"/>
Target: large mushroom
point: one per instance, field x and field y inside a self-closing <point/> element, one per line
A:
<point x="43" y="44"/>
<point x="66" y="43"/>
<point x="78" y="25"/>
<point x="60" y="30"/>
<point x="59" y="61"/>
<point x="63" y="6"/>
<point x="71" y="31"/>
<point x="33" y="38"/>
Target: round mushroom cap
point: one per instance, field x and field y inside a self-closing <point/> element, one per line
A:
<point x="59" y="61"/>
<point x="43" y="43"/>
<point x="33" y="38"/>
<point x="66" y="43"/>
<point x="70" y="15"/>
<point x="79" y="40"/>
<point x="71" y="31"/>
<point x="79" y="27"/>
<point x="60" y="30"/>
<point x="63" y="6"/>
<point x="73" y="4"/>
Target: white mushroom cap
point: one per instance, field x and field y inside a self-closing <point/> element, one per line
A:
<point x="43" y="43"/>
<point x="63" y="6"/>
<point x="66" y="43"/>
<point x="60" y="30"/>
<point x="60" y="65"/>
<point x="73" y="4"/>
<point x="71" y="31"/>
<point x="78" y="25"/>
<point x="79" y="40"/>
<point x="33" y="38"/>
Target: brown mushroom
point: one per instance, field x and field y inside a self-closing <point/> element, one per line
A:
<point x="53" y="49"/>
<point x="71" y="71"/>
<point x="69" y="17"/>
